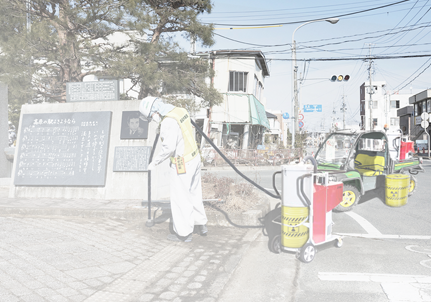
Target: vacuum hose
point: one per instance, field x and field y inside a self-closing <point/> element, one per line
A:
<point x="232" y="165"/>
<point x="150" y="221"/>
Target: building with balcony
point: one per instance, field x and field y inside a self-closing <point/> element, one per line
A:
<point x="239" y="75"/>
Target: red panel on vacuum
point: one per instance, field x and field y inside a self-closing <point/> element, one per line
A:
<point x="335" y="195"/>
<point x="319" y="212"/>
<point x="405" y="148"/>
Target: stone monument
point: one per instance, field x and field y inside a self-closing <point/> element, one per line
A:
<point x="4" y="130"/>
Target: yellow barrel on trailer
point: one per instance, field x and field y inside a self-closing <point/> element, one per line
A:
<point x="294" y="234"/>
<point x="397" y="189"/>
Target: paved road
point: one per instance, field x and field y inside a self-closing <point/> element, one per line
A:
<point x="385" y="256"/>
<point x="60" y="258"/>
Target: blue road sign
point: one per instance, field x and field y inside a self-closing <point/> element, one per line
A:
<point x="301" y="124"/>
<point x="285" y="115"/>
<point x="312" y="108"/>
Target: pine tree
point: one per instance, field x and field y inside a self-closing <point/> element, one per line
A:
<point x="45" y="44"/>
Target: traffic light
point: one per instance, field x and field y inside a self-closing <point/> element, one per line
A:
<point x="340" y="78"/>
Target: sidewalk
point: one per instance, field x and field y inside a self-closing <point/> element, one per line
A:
<point x="87" y="250"/>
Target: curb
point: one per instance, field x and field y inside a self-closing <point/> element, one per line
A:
<point x="241" y="168"/>
<point x="140" y="214"/>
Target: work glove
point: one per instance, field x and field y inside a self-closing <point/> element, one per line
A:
<point x="151" y="166"/>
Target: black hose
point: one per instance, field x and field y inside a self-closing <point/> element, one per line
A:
<point x="273" y="182"/>
<point x="313" y="160"/>
<point x="232" y="165"/>
<point x="300" y="190"/>
<point x="232" y="223"/>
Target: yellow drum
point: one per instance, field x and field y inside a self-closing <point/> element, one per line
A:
<point x="397" y="189"/>
<point x="294" y="233"/>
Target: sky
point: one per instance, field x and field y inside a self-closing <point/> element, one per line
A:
<point x="379" y="28"/>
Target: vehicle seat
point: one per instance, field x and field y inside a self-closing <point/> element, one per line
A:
<point x="369" y="165"/>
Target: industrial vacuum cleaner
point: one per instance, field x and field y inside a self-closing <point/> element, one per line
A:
<point x="306" y="210"/>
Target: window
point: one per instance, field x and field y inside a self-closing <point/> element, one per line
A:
<point x="395" y="104"/>
<point x="374" y="122"/>
<point x="255" y="86"/>
<point x="375" y="105"/>
<point x="238" y="81"/>
<point x="424" y="106"/>
<point x="429" y="105"/>
<point x="260" y="91"/>
<point x="418" y="108"/>
<point x="394" y="121"/>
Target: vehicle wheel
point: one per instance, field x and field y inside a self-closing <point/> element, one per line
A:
<point x="351" y="197"/>
<point x="339" y="243"/>
<point x="413" y="184"/>
<point x="307" y="253"/>
<point x="274" y="244"/>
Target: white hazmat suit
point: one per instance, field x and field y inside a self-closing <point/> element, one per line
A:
<point x="186" y="189"/>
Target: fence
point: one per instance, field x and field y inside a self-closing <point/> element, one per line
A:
<point x="250" y="157"/>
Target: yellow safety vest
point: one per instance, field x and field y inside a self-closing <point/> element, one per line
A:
<point x="183" y="119"/>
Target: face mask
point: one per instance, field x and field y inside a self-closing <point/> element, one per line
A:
<point x="156" y="118"/>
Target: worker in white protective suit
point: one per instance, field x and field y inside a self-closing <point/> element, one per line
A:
<point x="179" y="146"/>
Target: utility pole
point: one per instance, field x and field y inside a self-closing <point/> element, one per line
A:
<point x="344" y="109"/>
<point x="371" y="89"/>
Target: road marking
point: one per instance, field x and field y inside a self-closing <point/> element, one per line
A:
<point x="381" y="236"/>
<point x="367" y="277"/>
<point x="365" y="224"/>
<point x="418" y="249"/>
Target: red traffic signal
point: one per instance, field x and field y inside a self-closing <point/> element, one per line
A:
<point x="340" y="78"/>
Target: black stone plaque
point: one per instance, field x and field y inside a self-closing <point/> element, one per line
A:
<point x="92" y="91"/>
<point x="133" y="125"/>
<point x="131" y="159"/>
<point x="63" y="149"/>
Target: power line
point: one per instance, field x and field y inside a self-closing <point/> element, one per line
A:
<point x="303" y="21"/>
<point x="355" y="40"/>
<point x="402" y="18"/>
<point x="413" y="74"/>
<point x="399" y="39"/>
<point x="290" y="14"/>
<point x="260" y="45"/>
<point x="421" y="25"/>
<point x="335" y="38"/>
<point x="293" y="9"/>
<point x="354" y="58"/>
<point x="415" y="77"/>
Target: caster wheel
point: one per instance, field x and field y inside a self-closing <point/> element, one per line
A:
<point x="274" y="244"/>
<point x="339" y="243"/>
<point x="307" y="253"/>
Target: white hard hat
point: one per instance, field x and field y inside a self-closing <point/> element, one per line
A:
<point x="145" y="106"/>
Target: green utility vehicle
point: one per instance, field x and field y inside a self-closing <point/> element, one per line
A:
<point x="361" y="160"/>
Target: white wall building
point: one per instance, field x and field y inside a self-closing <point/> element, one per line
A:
<point x="384" y="106"/>
<point x="239" y="76"/>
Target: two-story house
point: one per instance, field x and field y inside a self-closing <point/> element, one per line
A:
<point x="240" y="77"/>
